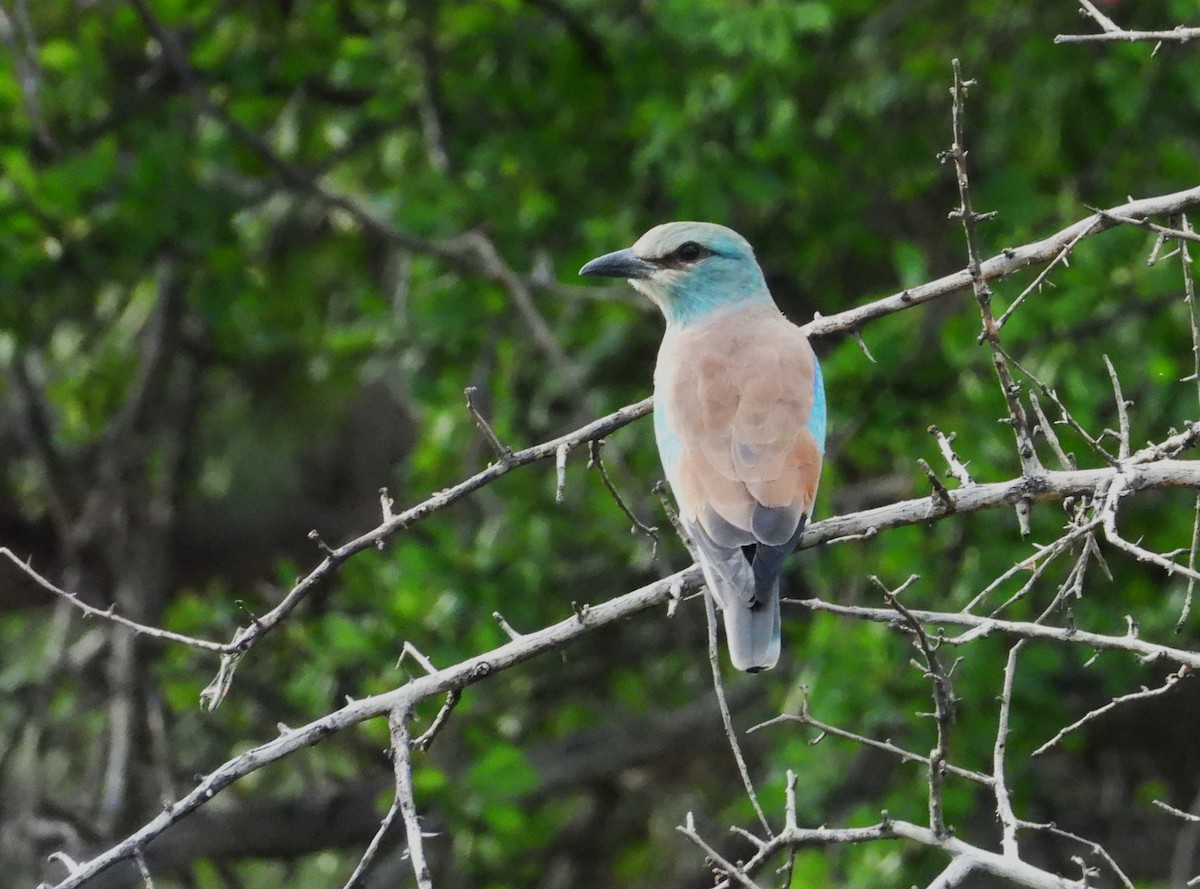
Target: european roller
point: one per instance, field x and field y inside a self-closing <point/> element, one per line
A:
<point x="739" y="417"/>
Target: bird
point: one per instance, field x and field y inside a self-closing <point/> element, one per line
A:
<point x="739" y="418"/>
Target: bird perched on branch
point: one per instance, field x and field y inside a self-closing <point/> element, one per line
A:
<point x="739" y="416"/>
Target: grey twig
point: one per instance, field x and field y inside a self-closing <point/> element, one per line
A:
<point x="957" y="469"/>
<point x="1170" y="683"/>
<point x="595" y="461"/>
<point x="1067" y="418"/>
<point x="1178" y="813"/>
<point x="1164" y="232"/>
<point x="405" y="795"/>
<point x="110" y="613"/>
<point x="1007" y="262"/>
<point x="1122" y="411"/>
<point x="1065" y="460"/>
<point x="943" y="703"/>
<point x="1044" y="554"/>
<point x="714" y="663"/>
<point x="973" y="858"/>
<point x="1147" y="651"/>
<point x="502" y="451"/>
<point x="805" y="717"/>
<point x="1030" y="464"/>
<point x="1189" y="593"/>
<point x="939" y="489"/>
<point x="248" y="636"/>
<point x="1095" y="848"/>
<point x="425" y="741"/>
<point x="1045" y="273"/>
<point x="1004" y="809"/>
<point x="405" y="697"/>
<point x="560" y="471"/>
<point x="1116" y="490"/>
<point x="372" y="849"/>
<point x="505" y="626"/>
<point x="734" y="873"/>
<point x="1189" y="297"/>
<point x="1110" y="31"/>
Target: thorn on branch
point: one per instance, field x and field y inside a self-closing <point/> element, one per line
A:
<point x="315" y="536"/>
<point x="676" y="596"/>
<point x="505" y="626"/>
<point x="862" y="344"/>
<point x="939" y="490"/>
<point x="502" y="451"/>
<point x="410" y="650"/>
<point x="957" y="469"/>
<point x="595" y="461"/>
<point x="560" y="471"/>
<point x="424" y="742"/>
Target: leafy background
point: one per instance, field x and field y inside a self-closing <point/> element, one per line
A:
<point x="310" y="359"/>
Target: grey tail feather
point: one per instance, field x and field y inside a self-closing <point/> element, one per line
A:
<point x="748" y="596"/>
<point x="752" y="631"/>
<point x="768" y="563"/>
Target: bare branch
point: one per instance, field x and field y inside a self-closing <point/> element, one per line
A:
<point x="398" y="721"/>
<point x="502" y="451"/>
<point x="1110" y="31"/>
<point x="805" y="717"/>
<point x="596" y="461"/>
<point x="957" y="468"/>
<point x="1095" y="848"/>
<point x="986" y="626"/>
<point x="1178" y="813"/>
<point x="943" y="704"/>
<point x="372" y="849"/>
<point x="110" y="614"/>
<point x="1009" y="261"/>
<point x="1145" y="693"/>
<point x="733" y="872"/>
<point x="247" y="636"/>
<point x="974" y="858"/>
<point x="714" y="662"/>
<point x="1004" y="809"/>
<point x="1122" y="411"/>
<point x="1045" y="273"/>
<point x="424" y="742"/>
<point x="459" y="676"/>
<point x="1030" y="464"/>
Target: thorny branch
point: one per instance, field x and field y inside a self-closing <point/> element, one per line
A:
<point x="1110" y="31"/>
<point x="1031" y="466"/>
<point x="398" y="721"/>
<point x="969" y="858"/>
<point x="943" y="702"/>
<point x="1053" y="485"/>
<point x="1172" y="680"/>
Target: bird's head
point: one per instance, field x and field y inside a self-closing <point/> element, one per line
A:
<point x="688" y="269"/>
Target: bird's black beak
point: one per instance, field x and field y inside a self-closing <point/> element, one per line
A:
<point x="622" y="264"/>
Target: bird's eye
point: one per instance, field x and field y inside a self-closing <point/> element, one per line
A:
<point x="691" y="251"/>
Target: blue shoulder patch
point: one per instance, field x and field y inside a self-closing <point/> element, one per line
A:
<point x="668" y="441"/>
<point x="816" y="417"/>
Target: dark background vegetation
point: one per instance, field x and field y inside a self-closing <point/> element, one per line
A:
<point x="206" y="351"/>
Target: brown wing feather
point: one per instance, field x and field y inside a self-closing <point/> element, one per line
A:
<point x="738" y="392"/>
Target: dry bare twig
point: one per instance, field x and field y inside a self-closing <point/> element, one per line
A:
<point x="1111" y="32"/>
<point x="1031" y="466"/>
